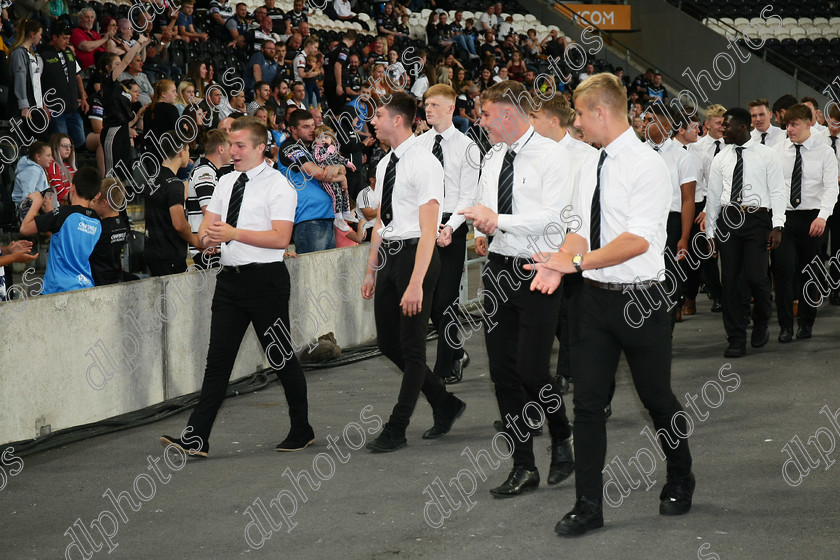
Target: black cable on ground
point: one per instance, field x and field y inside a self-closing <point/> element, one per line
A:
<point x="254" y="382"/>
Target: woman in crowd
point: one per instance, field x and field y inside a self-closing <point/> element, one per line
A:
<point x="186" y="94"/>
<point x="27" y="66"/>
<point x="60" y="172"/>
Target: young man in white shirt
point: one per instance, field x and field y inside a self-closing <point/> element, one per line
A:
<point x="832" y="122"/>
<point x="250" y="218"/>
<point x="622" y="204"/>
<point x="763" y="132"/>
<point x="525" y="194"/>
<point x="459" y="157"/>
<point x="403" y="269"/>
<point x="745" y="185"/>
<point x="810" y="171"/>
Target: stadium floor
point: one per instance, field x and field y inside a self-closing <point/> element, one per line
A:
<point x="372" y="506"/>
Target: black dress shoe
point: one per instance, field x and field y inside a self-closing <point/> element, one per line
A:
<point x="607" y="411"/>
<point x="804" y="331"/>
<point x="564" y="384"/>
<point x="196" y="448"/>
<point x="519" y="480"/>
<point x="735" y="350"/>
<point x="786" y="335"/>
<point x="760" y="336"/>
<point x="445" y="416"/>
<point x="675" y="498"/>
<point x="297" y="441"/>
<point x="391" y="439"/>
<point x="717" y="307"/>
<point x="585" y="516"/>
<point x="458" y="366"/>
<point x="562" y="460"/>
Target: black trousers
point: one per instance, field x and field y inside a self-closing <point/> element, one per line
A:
<point x="599" y="333"/>
<point x="519" y="329"/>
<point x="164" y="267"/>
<point x="741" y="239"/>
<point x="446" y="297"/>
<point x="402" y="339"/>
<point x="708" y="270"/>
<point x="795" y="252"/>
<point x="674" y="232"/>
<point x="571" y="284"/>
<point x="259" y="296"/>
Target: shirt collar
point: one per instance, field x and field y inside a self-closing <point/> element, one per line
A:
<point x="251" y="173"/>
<point x="522" y="140"/>
<point x="664" y="147"/>
<point x="809" y="143"/>
<point x="447" y="134"/>
<point x="748" y="144"/>
<point x="403" y="148"/>
<point x="566" y="140"/>
<point x="626" y="138"/>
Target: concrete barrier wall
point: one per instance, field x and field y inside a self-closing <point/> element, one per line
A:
<point x="79" y="357"/>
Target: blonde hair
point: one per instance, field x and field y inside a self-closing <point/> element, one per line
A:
<point x="558" y="106"/>
<point x="441" y="90"/>
<point x="604" y="89"/>
<point x="113" y="191"/>
<point x="443" y="76"/>
<point x="181" y="87"/>
<point x="713" y="111"/>
<point x="507" y="91"/>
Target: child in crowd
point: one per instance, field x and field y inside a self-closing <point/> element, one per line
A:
<point x="314" y="63"/>
<point x="60" y="172"/>
<point x="16" y="251"/>
<point x="31" y="176"/>
<point x="75" y="228"/>
<point x="105" y="261"/>
<point x="325" y="150"/>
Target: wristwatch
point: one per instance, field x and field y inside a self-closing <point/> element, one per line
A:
<point x="576" y="260"/>
<point x="779" y="228"/>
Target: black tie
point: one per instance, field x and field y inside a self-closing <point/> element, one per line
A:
<point x="717" y="148"/>
<point x="685" y="147"/>
<point x="595" y="210"/>
<point x="438" y="153"/>
<point x="796" y="178"/>
<point x="763" y="138"/>
<point x="505" y="194"/>
<point x="236" y="196"/>
<point x="834" y="144"/>
<point x="737" y="177"/>
<point x="388" y="188"/>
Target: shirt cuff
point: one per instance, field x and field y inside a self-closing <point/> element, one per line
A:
<point x="504" y="221"/>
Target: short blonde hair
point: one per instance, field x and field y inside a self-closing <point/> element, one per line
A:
<point x="441" y="90"/>
<point x="713" y="111"/>
<point x="507" y="91"/>
<point x="604" y="89"/>
<point x="113" y="192"/>
<point x="558" y="106"/>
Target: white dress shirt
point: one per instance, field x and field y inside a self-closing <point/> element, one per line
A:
<point x="578" y="152"/>
<point x="775" y="136"/>
<point x="681" y="168"/>
<point x="268" y="197"/>
<point x="419" y="180"/>
<point x="827" y="134"/>
<point x="542" y="196"/>
<point x="702" y="162"/>
<point x="819" y="175"/>
<point x="764" y="185"/>
<point x="705" y="149"/>
<point x="461" y="158"/>
<point x="635" y="198"/>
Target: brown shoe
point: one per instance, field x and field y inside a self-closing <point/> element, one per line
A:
<point x="690" y="308"/>
<point x="796" y="308"/>
<point x="679" y="315"/>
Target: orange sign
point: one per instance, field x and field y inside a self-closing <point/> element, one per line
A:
<point x="603" y="16"/>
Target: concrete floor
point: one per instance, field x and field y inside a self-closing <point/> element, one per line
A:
<point x="372" y="506"/>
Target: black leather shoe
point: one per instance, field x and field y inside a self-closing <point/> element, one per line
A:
<point x="390" y="439"/>
<point x="445" y="416"/>
<point x="607" y="411"/>
<point x="675" y="498"/>
<point x="562" y="460"/>
<point x="458" y="366"/>
<point x="585" y="516"/>
<point x="735" y="350"/>
<point x="803" y="332"/>
<point x="717" y="307"/>
<point x="760" y="336"/>
<point x="196" y="448"/>
<point x="564" y="383"/>
<point x="786" y="335"/>
<point x="297" y="441"/>
<point x="518" y="481"/>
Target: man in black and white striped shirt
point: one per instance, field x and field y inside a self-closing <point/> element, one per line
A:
<point x="205" y="175"/>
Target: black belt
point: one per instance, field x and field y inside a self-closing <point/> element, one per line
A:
<point x="400" y="242"/>
<point x="247" y="267"/>
<point x="746" y="208"/>
<point x="616" y="287"/>
<point x="507" y="261"/>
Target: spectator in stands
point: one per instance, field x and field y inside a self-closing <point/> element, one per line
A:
<point x="161" y="115"/>
<point x="432" y="31"/>
<point x="485" y="79"/>
<point x="75" y="228"/>
<point x="237" y="26"/>
<point x="134" y="71"/>
<point x="285" y="70"/>
<point x="303" y="29"/>
<point x="112" y="28"/>
<point x="444" y="75"/>
<point x="262" y="93"/>
<point x="220" y="13"/>
<point x="296" y="101"/>
<point x="295" y="17"/>
<point x="205" y="176"/>
<point x="167" y="229"/>
<point x="63" y="74"/>
<point x="386" y="22"/>
<point x="466" y="109"/>
<point x="14" y="252"/>
<point x="314" y="216"/>
<point x="186" y="28"/>
<point x="105" y="260"/>
<point x="488" y="20"/>
<point x="588" y="70"/>
<point x="63" y="166"/>
<point x="31" y="175"/>
<point x="186" y="96"/>
<point x="491" y="47"/>
<point x="293" y="46"/>
<point x="26" y="67"/>
<point x="656" y="90"/>
<point x="59" y="10"/>
<point x="256" y="38"/>
<point x="199" y="76"/>
<point x="279" y="96"/>
<point x="262" y="66"/>
<point x="641" y="83"/>
<point x="378" y="54"/>
<point x="625" y="81"/>
<point x="85" y="40"/>
<point x="506" y="27"/>
<point x="425" y="77"/>
<point x="32" y="10"/>
<point x="516" y="67"/>
<point x="118" y="117"/>
<point x="502" y="75"/>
